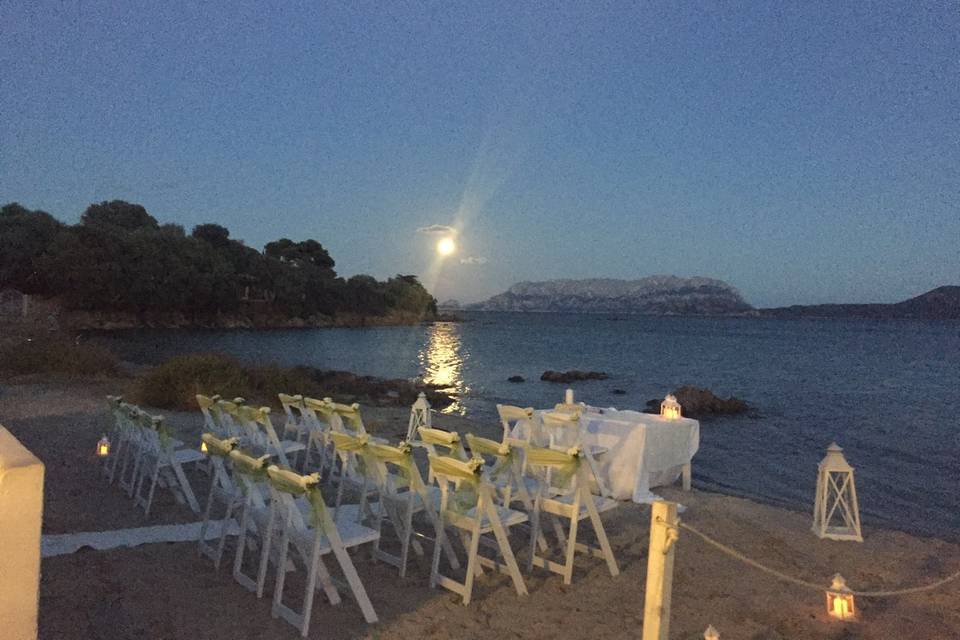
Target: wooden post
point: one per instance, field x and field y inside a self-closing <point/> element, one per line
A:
<point x="663" y="534"/>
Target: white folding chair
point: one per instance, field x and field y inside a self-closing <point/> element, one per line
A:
<point x="311" y="540"/>
<point x="250" y="475"/>
<point x="294" y="426"/>
<point x="564" y="430"/>
<point x="222" y="491"/>
<point x="356" y="470"/>
<point x="161" y="463"/>
<point x="260" y="434"/>
<point x="468" y="503"/>
<point x="439" y="442"/>
<point x="316" y="420"/>
<point x="564" y="492"/>
<point x="122" y="436"/>
<point x="402" y="495"/>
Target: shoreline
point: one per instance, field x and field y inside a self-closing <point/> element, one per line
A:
<point x="109" y="594"/>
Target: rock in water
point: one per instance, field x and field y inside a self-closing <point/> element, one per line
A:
<point x="572" y="376"/>
<point x="516" y="379"/>
<point x="702" y="403"/>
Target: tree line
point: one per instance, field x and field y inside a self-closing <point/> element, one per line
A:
<point x="120" y="258"/>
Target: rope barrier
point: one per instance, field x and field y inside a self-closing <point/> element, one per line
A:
<point x="810" y="585"/>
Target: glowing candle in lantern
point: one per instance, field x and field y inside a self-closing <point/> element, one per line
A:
<point x="103" y="447"/>
<point x="670" y="408"/>
<point x="840" y="603"/>
<point x="203" y="447"/>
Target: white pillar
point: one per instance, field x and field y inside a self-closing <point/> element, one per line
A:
<point x="663" y="534"/>
<point x="21" y="513"/>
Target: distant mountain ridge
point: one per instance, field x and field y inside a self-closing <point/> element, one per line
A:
<point x="942" y="303"/>
<point x="654" y="295"/>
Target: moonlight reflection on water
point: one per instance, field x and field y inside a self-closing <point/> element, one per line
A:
<point x="441" y="360"/>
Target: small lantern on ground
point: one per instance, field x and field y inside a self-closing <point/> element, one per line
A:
<point x="840" y="604"/>
<point x="711" y="633"/>
<point x="670" y="408"/>
<point x="836" y="514"/>
<point x="103" y="447"/>
<point x="203" y="447"/>
<point x="419" y="416"/>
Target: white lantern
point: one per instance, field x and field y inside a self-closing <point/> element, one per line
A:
<point x="840" y="604"/>
<point x="836" y="514"/>
<point x="419" y="416"/>
<point x="670" y="408"/>
<point x="103" y="447"/>
<point x="711" y="633"/>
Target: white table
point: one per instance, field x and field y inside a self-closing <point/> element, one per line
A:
<point x="643" y="450"/>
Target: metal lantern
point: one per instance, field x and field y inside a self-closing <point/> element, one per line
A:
<point x="836" y="514"/>
<point x="670" y="408"/>
<point x="840" y="603"/>
<point x="711" y="633"/>
<point x="103" y="447"/>
<point x="419" y="416"/>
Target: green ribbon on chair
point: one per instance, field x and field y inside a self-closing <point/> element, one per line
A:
<point x="505" y="454"/>
<point x="400" y="456"/>
<point x="467" y="476"/>
<point x="299" y="485"/>
<point x="439" y="437"/>
<point x="246" y="464"/>
<point x="354" y="444"/>
<point x="564" y="464"/>
<point x="218" y="447"/>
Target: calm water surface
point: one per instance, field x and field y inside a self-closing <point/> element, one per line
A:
<point x="888" y="392"/>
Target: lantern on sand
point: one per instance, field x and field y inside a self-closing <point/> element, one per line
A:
<point x="840" y="600"/>
<point x="670" y="408"/>
<point x="103" y="447"/>
<point x="419" y="416"/>
<point x="203" y="447"/>
<point x="836" y="514"/>
<point x="711" y="633"/>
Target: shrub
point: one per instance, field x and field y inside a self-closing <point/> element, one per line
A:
<point x="55" y="355"/>
<point x="175" y="383"/>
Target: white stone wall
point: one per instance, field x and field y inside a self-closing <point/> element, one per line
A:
<point x="21" y="514"/>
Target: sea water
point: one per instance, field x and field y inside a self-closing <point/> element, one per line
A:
<point x="887" y="391"/>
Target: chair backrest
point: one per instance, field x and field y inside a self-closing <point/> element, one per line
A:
<point x="211" y="417"/>
<point x="461" y="484"/>
<point x="227" y="413"/>
<point x="315" y="414"/>
<point x="561" y="429"/>
<point x="293" y="408"/>
<point x="559" y="472"/>
<point x="395" y="467"/>
<point x="511" y="417"/>
<point x="249" y="472"/>
<point x="351" y="449"/>
<point x="448" y="441"/>
<point x="349" y="416"/>
<point x="286" y="486"/>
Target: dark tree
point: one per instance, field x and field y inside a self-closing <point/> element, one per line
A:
<point x="118" y="215"/>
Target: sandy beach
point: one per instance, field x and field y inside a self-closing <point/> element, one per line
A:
<point x="167" y="591"/>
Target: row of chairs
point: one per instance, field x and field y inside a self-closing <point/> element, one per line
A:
<point x="476" y="494"/>
<point x="145" y="456"/>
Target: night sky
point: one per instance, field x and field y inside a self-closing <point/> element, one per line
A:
<point x="803" y="152"/>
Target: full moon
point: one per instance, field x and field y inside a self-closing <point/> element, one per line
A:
<point x="446" y="246"/>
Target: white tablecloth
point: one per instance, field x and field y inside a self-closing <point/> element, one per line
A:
<point x="643" y="449"/>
